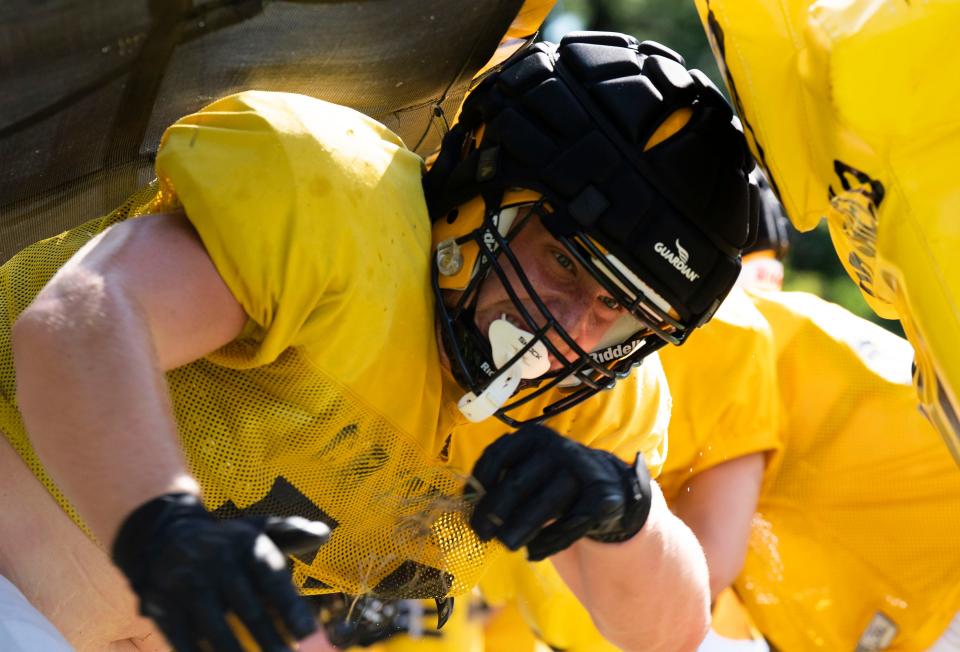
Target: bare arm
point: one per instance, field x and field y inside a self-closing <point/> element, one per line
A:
<point x="90" y="353"/>
<point x="647" y="593"/>
<point x="718" y="505"/>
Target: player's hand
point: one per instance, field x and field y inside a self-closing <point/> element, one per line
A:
<point x="544" y="491"/>
<point x="189" y="570"/>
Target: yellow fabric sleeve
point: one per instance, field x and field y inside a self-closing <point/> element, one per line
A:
<point x="274" y="184"/>
<point x="725" y="390"/>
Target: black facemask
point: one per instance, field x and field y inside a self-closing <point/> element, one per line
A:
<point x="581" y="373"/>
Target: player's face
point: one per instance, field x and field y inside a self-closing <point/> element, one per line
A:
<point x="574" y="298"/>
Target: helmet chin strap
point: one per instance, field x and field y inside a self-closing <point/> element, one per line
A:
<point x="506" y="340"/>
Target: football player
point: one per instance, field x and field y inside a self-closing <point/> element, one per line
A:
<point x="292" y="334"/>
<point x="817" y="488"/>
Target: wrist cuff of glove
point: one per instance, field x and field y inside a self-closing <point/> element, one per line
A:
<point x="144" y="527"/>
<point x="636" y="480"/>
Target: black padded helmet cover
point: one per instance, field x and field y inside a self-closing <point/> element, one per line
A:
<point x="571" y="121"/>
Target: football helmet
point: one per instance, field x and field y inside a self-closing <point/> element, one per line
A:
<point x="773" y="227"/>
<point x="639" y="169"/>
<point x="762" y="267"/>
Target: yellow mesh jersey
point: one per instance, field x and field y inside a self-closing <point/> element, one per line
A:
<point x="724" y="385"/>
<point x="855" y="536"/>
<point x="331" y="403"/>
<point x="846" y="106"/>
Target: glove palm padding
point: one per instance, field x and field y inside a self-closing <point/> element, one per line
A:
<point x="544" y="491"/>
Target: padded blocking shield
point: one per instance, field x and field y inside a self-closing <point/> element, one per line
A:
<point x="848" y="109"/>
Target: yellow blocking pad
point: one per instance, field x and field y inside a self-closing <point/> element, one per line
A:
<point x="849" y="109"/>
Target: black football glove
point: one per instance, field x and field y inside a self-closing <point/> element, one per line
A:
<point x="544" y="491"/>
<point x="190" y="569"/>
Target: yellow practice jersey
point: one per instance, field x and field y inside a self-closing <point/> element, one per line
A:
<point x="332" y="404"/>
<point x="854" y="542"/>
<point x="845" y="105"/>
<point x="724" y="384"/>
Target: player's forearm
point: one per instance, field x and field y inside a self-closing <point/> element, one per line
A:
<point x="94" y="400"/>
<point x="648" y="593"/>
<point x="718" y="505"/>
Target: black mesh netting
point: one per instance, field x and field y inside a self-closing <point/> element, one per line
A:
<point x="89" y="85"/>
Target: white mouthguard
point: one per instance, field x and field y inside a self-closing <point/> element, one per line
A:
<point x="506" y="340"/>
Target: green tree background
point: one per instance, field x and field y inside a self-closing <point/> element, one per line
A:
<point x="812" y="264"/>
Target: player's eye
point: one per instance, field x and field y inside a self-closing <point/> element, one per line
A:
<point x="610" y="303"/>
<point x="564" y="261"/>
